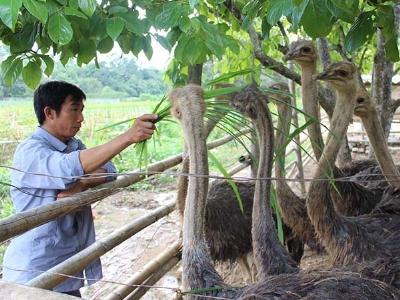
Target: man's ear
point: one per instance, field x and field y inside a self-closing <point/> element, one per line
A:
<point x="49" y="113"/>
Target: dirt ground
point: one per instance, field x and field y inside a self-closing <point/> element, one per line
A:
<point x="129" y="257"/>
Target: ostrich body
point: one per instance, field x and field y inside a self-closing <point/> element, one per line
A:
<point x="349" y="198"/>
<point x="350" y="239"/>
<point x="198" y="271"/>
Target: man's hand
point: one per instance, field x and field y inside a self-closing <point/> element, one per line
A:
<point x="142" y="128"/>
<point x="83" y="184"/>
<point x="77" y="187"/>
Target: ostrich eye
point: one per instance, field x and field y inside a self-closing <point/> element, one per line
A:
<point x="342" y="73"/>
<point x="360" y="100"/>
<point x="306" y="50"/>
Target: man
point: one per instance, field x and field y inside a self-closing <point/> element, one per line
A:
<point x="53" y="149"/>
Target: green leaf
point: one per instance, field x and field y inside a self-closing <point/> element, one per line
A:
<point x="49" y="64"/>
<point x="72" y="4"/>
<point x="87" y="51"/>
<point x="163" y="41"/>
<point x="195" y="51"/>
<point x="37" y="9"/>
<point x="169" y="17"/>
<point x="221" y="91"/>
<point x="87" y="6"/>
<point x="226" y="76"/>
<point x="32" y="74"/>
<point x="265" y="28"/>
<point x="69" y="11"/>
<point x="117" y="10"/>
<point x="59" y="29"/>
<point x="229" y="179"/>
<point x="23" y="40"/>
<point x="346" y="10"/>
<point x="316" y="11"/>
<point x="114" y="27"/>
<point x="392" y="50"/>
<point x="105" y="45"/>
<point x="11" y="69"/>
<point x="134" y="24"/>
<point x="9" y="12"/>
<point x="147" y="49"/>
<point x="360" y="32"/>
<point x="297" y="14"/>
<point x="276" y="9"/>
<point x="193" y="3"/>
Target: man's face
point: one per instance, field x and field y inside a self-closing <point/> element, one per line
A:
<point x="67" y="123"/>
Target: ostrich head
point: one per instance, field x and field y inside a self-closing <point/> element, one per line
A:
<point x="364" y="103"/>
<point x="280" y="94"/>
<point x="253" y="97"/>
<point x="302" y="52"/>
<point x="343" y="76"/>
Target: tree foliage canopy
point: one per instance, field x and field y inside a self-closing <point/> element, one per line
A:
<point x="196" y="30"/>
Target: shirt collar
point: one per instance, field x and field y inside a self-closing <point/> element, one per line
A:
<point x="51" y="139"/>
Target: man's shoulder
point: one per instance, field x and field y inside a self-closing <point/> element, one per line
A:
<point x="30" y="145"/>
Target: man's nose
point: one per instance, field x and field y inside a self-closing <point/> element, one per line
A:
<point x="81" y="118"/>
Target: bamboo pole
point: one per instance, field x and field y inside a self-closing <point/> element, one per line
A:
<point x="174" y="251"/>
<point x="139" y="292"/>
<point x="76" y="263"/>
<point x="10" y="290"/>
<point x="21" y="222"/>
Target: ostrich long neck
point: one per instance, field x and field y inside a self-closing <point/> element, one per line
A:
<point x="198" y="186"/>
<point x="310" y="106"/>
<point x="282" y="133"/>
<point x="198" y="271"/>
<point x="377" y="139"/>
<point x="319" y="203"/>
<point x="270" y="256"/>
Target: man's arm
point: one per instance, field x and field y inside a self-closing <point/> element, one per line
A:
<point x="83" y="184"/>
<point x="93" y="158"/>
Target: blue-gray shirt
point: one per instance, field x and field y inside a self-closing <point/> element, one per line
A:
<point x="50" y="244"/>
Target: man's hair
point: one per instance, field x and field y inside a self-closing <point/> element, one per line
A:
<point x="53" y="94"/>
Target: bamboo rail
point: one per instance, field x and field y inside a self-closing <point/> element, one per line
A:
<point x="139" y="292"/>
<point x="18" y="291"/>
<point x="76" y="263"/>
<point x="21" y="222"/>
<point x="162" y="259"/>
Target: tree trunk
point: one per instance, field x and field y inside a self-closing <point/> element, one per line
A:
<point x="344" y="155"/>
<point x="195" y="72"/>
<point x="382" y="86"/>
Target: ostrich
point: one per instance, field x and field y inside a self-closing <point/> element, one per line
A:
<point x="353" y="198"/>
<point x="201" y="280"/>
<point x="293" y="207"/>
<point x="228" y="230"/>
<point x="350" y="239"/>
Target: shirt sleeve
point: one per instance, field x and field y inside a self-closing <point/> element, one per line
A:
<point x="38" y="161"/>
<point x="108" y="167"/>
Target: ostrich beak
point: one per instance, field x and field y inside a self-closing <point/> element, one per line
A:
<point x="322" y="76"/>
<point x="289" y="56"/>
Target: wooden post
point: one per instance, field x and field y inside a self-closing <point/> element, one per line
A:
<point x="76" y="263"/>
<point x="172" y="252"/>
<point x="21" y="222"/>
